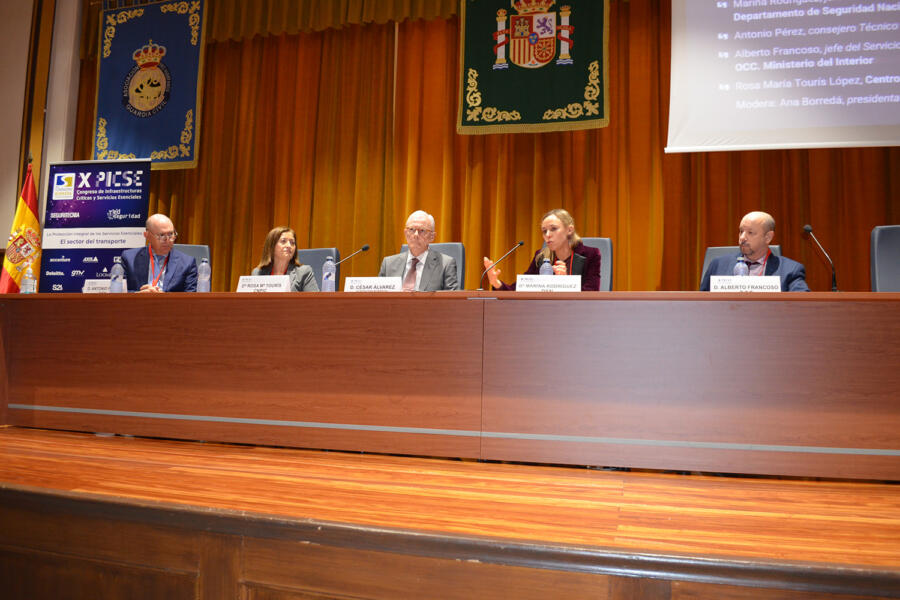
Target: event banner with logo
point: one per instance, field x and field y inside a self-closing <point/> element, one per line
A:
<point x="533" y="65"/>
<point x="148" y="83"/>
<point x="94" y="211"/>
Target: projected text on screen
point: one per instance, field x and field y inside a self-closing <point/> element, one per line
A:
<point x="784" y="73"/>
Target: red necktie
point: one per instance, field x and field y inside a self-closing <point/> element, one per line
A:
<point x="409" y="282"/>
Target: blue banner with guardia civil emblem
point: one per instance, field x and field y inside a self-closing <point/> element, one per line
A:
<point x="148" y="83"/>
<point x="533" y="65"/>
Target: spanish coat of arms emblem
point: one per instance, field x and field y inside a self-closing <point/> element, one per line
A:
<point x="531" y="36"/>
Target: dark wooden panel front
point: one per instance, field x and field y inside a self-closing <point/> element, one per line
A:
<point x="343" y="572"/>
<point x="4" y="358"/>
<point x="349" y="361"/>
<point x="803" y="386"/>
<point x="47" y="529"/>
<point x="37" y="576"/>
<point x="799" y="384"/>
<point x="682" y="590"/>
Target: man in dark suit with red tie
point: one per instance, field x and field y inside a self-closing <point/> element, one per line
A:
<point x="158" y="267"/>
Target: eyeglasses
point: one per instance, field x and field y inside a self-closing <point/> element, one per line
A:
<point x="165" y="237"/>
<point x="415" y="230"/>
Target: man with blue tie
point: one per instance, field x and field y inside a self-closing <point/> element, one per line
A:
<point x="755" y="234"/>
<point x="158" y="267"/>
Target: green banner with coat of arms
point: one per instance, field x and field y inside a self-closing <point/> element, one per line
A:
<point x="533" y="65"/>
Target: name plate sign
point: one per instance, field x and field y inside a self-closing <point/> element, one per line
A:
<point x="95" y="286"/>
<point x="548" y="283"/>
<point x="373" y="284"/>
<point x="743" y="283"/>
<point x="264" y="283"/>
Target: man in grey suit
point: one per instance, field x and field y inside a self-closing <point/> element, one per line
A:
<point x="421" y="269"/>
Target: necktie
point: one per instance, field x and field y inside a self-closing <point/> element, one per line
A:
<point x="409" y="282"/>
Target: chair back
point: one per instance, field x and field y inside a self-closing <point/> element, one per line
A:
<point x="713" y="252"/>
<point x="198" y="251"/>
<point x="315" y="258"/>
<point x="604" y="245"/>
<point x="885" y="258"/>
<point x="454" y="250"/>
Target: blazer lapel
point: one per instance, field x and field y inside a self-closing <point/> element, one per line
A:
<point x="578" y="264"/>
<point x="171" y="269"/>
<point x="396" y="265"/>
<point x="429" y="270"/>
<point x="772" y="264"/>
<point x="142" y="266"/>
<point x="727" y="267"/>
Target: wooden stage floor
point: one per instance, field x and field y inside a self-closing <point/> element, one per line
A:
<point x="795" y="538"/>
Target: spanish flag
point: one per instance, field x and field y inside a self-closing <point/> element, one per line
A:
<point x="24" y="247"/>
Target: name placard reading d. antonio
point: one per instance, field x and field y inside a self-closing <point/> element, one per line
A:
<point x="533" y="65"/>
<point x="148" y="83"/>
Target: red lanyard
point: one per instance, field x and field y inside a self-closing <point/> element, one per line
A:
<point x="571" y="262"/>
<point x="153" y="270"/>
<point x="765" y="260"/>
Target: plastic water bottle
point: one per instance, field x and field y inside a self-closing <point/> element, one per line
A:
<point x="328" y="273"/>
<point x="29" y="285"/>
<point x="741" y="268"/>
<point x="117" y="279"/>
<point x="546" y="268"/>
<point x="204" y="275"/>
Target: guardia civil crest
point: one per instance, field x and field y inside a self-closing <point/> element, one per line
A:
<point x="149" y="71"/>
<point x="146" y="88"/>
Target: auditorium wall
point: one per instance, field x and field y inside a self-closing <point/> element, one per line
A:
<point x="340" y="126"/>
<point x="15" y="27"/>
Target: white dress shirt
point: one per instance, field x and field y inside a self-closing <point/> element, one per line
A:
<point x="420" y="266"/>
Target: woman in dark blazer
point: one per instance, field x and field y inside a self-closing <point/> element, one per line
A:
<point x="563" y="249"/>
<point x="279" y="257"/>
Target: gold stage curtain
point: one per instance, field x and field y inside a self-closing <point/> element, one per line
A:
<point x="310" y="130"/>
<point x="661" y="210"/>
<point x="296" y="132"/>
<point x="842" y="193"/>
<point x="489" y="191"/>
<point x="238" y="20"/>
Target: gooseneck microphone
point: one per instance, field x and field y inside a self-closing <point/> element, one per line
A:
<point x="808" y="229"/>
<point x="511" y="250"/>
<point x="364" y="248"/>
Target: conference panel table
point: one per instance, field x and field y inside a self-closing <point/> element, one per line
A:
<point x="779" y="384"/>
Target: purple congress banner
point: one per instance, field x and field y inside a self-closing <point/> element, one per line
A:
<point x="94" y="211"/>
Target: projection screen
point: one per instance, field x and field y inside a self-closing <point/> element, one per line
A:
<point x="758" y="74"/>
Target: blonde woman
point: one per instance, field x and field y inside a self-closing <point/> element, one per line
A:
<point x="565" y="251"/>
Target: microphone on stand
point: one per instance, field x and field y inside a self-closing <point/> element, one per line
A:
<point x="511" y="250"/>
<point x="364" y="248"/>
<point x="808" y="229"/>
